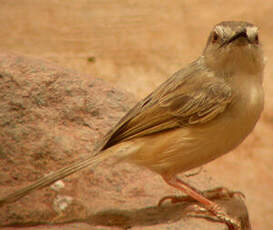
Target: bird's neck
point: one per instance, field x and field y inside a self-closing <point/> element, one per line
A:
<point x="236" y="63"/>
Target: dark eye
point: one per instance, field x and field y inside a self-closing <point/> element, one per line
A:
<point x="256" y="39"/>
<point x="215" y="37"/>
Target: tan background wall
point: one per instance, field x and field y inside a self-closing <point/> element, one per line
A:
<point x="136" y="45"/>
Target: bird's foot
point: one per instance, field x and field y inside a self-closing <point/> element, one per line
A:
<point x="213" y="213"/>
<point x="222" y="193"/>
<point x="175" y="199"/>
<point x="216" y="193"/>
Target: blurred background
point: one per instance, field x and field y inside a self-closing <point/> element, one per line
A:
<point x="136" y="45"/>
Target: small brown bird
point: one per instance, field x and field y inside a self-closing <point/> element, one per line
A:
<point x="202" y="112"/>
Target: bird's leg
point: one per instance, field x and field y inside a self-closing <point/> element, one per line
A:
<point x="210" y="206"/>
<point x="212" y="194"/>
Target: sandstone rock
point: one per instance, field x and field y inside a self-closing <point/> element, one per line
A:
<point x="49" y="118"/>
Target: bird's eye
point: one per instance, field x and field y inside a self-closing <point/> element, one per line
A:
<point x="215" y="37"/>
<point x="256" y="39"/>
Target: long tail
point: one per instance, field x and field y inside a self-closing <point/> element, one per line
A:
<point x="59" y="174"/>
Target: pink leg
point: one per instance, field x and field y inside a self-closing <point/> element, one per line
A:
<point x="216" y="193"/>
<point x="209" y="205"/>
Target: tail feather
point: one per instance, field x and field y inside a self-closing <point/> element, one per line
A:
<point x="51" y="178"/>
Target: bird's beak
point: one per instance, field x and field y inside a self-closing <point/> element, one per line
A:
<point x="236" y="36"/>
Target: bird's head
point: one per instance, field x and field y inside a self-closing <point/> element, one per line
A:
<point x="234" y="46"/>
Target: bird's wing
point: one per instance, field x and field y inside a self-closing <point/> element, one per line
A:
<point x="187" y="98"/>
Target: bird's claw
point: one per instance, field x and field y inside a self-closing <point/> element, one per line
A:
<point x="216" y="213"/>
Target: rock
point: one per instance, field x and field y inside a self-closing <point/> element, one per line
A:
<point x="49" y="118"/>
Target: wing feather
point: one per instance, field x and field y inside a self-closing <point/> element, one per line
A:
<point x="187" y="98"/>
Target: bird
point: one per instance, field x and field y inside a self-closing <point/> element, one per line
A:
<point x="201" y="112"/>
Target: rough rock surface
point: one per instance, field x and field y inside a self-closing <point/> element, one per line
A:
<point x="49" y="117"/>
